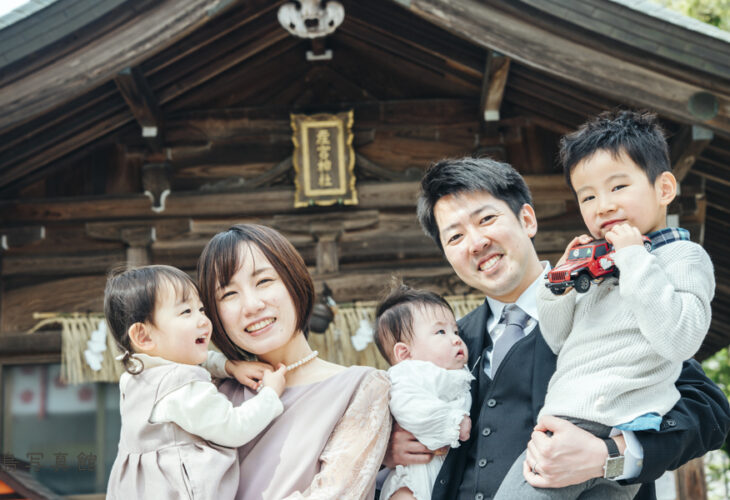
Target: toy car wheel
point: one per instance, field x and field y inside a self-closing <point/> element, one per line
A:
<point x="647" y="246"/>
<point x="582" y="284"/>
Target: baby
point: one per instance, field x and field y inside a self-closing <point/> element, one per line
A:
<point x="430" y="396"/>
<point x="179" y="434"/>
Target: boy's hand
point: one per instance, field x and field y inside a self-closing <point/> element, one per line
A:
<point x="624" y="235"/>
<point x="275" y="380"/>
<point x="248" y="373"/>
<point x="465" y="428"/>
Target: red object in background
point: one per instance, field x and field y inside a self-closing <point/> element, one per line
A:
<point x="585" y="263"/>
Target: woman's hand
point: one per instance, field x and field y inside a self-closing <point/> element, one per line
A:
<point x="275" y="380"/>
<point x="465" y="428"/>
<point x="248" y="373"/>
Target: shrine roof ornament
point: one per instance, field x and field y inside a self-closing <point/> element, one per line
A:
<point x="311" y="18"/>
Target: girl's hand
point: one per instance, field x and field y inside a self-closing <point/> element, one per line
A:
<point x="248" y="373"/>
<point x="624" y="235"/>
<point x="578" y="240"/>
<point x="275" y="380"/>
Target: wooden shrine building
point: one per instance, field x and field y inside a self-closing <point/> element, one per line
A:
<point x="131" y="131"/>
<point x="190" y="102"/>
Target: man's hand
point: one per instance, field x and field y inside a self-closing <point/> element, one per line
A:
<point x="578" y="240"/>
<point x="405" y="449"/>
<point x="570" y="456"/>
<point x="248" y="373"/>
<point x="465" y="428"/>
<point x="624" y="235"/>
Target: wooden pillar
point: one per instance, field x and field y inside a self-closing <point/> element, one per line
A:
<point x="327" y="259"/>
<point x="138" y="241"/>
<point x="691" y="483"/>
<point x="137" y="238"/>
<point x="326" y="230"/>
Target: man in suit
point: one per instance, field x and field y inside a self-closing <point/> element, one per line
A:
<point x="479" y="212"/>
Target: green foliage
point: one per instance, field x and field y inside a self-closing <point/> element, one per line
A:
<point x="717" y="368"/>
<point x="714" y="12"/>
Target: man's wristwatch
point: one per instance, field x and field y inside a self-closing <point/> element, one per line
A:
<point x="614" y="466"/>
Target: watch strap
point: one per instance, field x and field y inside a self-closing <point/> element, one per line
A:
<point x="612" y="448"/>
<point x="614" y="466"/>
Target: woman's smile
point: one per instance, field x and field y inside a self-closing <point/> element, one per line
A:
<point x="256" y="328"/>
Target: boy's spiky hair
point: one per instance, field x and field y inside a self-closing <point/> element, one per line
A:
<point x="636" y="134"/>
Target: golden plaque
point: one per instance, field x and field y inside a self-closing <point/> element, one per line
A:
<point x="324" y="160"/>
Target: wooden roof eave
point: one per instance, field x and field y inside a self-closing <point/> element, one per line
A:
<point x="88" y="67"/>
<point x="512" y="32"/>
<point x="679" y="45"/>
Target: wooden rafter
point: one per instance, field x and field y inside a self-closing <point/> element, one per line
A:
<point x="86" y="127"/>
<point x="496" y="71"/>
<point x="143" y="104"/>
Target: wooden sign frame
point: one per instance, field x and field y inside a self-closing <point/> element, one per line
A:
<point x="324" y="160"/>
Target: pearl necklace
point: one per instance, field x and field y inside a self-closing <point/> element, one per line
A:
<point x="306" y="359"/>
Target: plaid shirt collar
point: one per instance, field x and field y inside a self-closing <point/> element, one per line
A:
<point x="667" y="235"/>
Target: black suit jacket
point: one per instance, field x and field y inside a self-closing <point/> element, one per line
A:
<point x="698" y="423"/>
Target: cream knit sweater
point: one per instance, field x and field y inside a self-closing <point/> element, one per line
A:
<point x="621" y="345"/>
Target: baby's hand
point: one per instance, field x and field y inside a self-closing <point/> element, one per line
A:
<point x="465" y="428"/>
<point x="275" y="380"/>
<point x="248" y="373"/>
<point x="624" y="235"/>
<point x="578" y="240"/>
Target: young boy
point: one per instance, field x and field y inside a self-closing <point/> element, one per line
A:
<point x="621" y="345"/>
<point x="416" y="333"/>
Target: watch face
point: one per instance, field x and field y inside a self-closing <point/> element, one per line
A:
<point x="614" y="467"/>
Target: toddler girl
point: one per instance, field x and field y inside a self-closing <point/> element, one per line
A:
<point x="416" y="332"/>
<point x="179" y="435"/>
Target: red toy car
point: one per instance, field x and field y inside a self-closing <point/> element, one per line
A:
<point x="585" y="263"/>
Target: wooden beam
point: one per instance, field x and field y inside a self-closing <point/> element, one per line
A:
<point x="376" y="170"/>
<point x="14" y="237"/>
<point x="23" y="344"/>
<point x="61" y="264"/>
<point x="688" y="146"/>
<point x="547" y="49"/>
<point x="494" y="82"/>
<point x="69" y="294"/>
<point x="372" y="195"/>
<point x="142" y="102"/>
